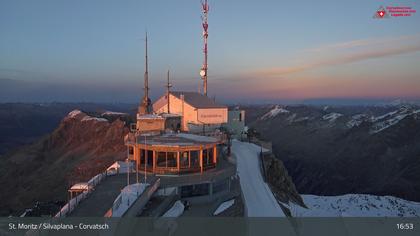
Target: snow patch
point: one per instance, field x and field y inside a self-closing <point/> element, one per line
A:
<point x="258" y="198"/>
<point x="331" y="117"/>
<point x="80" y="186"/>
<point x="274" y="112"/>
<point x="120" y="167"/>
<point x="74" y="113"/>
<point x="127" y="197"/>
<point x="357" y="120"/>
<point x="90" y="118"/>
<point x="355" y="205"/>
<point x="113" y="113"/>
<point x="389" y="119"/>
<point x="224" y="206"/>
<point x="300" y="119"/>
<point x="385" y="115"/>
<point x="176" y="210"/>
<point x="379" y="126"/>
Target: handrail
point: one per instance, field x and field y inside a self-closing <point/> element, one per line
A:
<point x="74" y="202"/>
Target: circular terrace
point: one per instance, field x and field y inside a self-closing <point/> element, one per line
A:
<point x="174" y="153"/>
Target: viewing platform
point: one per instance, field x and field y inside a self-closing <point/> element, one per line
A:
<point x="174" y="153"/>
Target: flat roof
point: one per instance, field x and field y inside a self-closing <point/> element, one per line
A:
<point x="176" y="139"/>
<point x="198" y="100"/>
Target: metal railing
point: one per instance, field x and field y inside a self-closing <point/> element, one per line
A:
<point x="74" y="202"/>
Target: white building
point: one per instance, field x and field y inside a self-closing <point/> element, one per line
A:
<point x="199" y="113"/>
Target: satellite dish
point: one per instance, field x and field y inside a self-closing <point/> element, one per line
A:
<point x="202" y="73"/>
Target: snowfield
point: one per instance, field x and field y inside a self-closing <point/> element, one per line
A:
<point x="389" y="119"/>
<point x="74" y="113"/>
<point x="176" y="210"/>
<point x="357" y="120"/>
<point x="331" y="117"/>
<point x="274" y="112"/>
<point x="114" y="113"/>
<point x="224" y="206"/>
<point x="258" y="198"/>
<point x="90" y="118"/>
<point x="355" y="205"/>
<point x="127" y="197"/>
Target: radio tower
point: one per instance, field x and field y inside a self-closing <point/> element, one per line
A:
<point x="146" y="104"/>
<point x="203" y="72"/>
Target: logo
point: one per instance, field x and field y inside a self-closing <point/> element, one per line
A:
<point x="381" y="13"/>
<point x="393" y="11"/>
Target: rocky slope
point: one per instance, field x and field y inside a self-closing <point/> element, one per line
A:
<point x="340" y="150"/>
<point x="80" y="147"/>
<point x="24" y="123"/>
<point x="355" y="205"/>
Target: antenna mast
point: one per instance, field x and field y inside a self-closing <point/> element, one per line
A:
<point x="146" y="104"/>
<point x="146" y="74"/>
<point x="168" y="87"/>
<point x="203" y="72"/>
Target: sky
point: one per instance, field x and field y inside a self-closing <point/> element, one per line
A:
<point x="259" y="51"/>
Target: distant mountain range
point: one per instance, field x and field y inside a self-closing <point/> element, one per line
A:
<point x="327" y="150"/>
<point x="332" y="150"/>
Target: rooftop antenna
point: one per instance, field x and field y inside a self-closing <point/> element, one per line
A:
<point x="146" y="104"/>
<point x="168" y="87"/>
<point x="203" y="72"/>
<point x="146" y="73"/>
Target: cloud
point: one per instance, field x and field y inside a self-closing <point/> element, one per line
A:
<point x="349" y="52"/>
<point x="364" y="42"/>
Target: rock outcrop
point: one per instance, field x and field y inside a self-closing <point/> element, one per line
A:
<point x="280" y="182"/>
<point x="80" y="147"/>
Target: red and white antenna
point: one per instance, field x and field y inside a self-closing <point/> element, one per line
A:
<point x="203" y="72"/>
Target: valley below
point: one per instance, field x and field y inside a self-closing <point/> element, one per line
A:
<point x="344" y="150"/>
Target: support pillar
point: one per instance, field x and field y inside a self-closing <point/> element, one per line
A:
<point x="146" y="152"/>
<point x="201" y="159"/>
<point x="154" y="161"/>
<point x="189" y="159"/>
<point x="178" y="163"/>
<point x="215" y="155"/>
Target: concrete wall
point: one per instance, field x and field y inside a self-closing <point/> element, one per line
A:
<point x="236" y="123"/>
<point x="150" y="124"/>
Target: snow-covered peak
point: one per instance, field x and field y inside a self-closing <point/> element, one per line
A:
<point x="79" y="115"/>
<point x="114" y="113"/>
<point x="90" y="118"/>
<point x="74" y="113"/>
<point x="358" y="119"/>
<point x="331" y="117"/>
<point x="274" y="112"/>
<point x="389" y="119"/>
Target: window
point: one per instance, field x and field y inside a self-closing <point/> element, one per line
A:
<point x="161" y="159"/>
<point x="195" y="162"/>
<point x="172" y="162"/>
